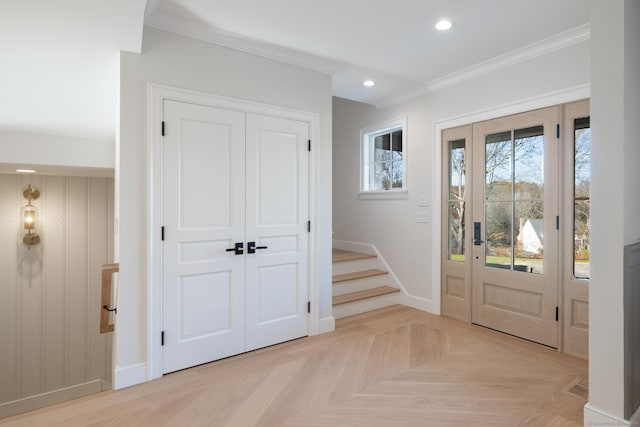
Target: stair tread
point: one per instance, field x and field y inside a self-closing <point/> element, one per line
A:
<point x="357" y="275"/>
<point x="360" y="295"/>
<point x="340" y="255"/>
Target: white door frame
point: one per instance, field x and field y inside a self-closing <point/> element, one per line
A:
<point x="157" y="94"/>
<point x="555" y="98"/>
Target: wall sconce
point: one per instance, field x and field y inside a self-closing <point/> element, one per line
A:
<point x="29" y="215"/>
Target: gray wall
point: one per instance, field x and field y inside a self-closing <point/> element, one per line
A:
<point x="391" y="224"/>
<point x="183" y="62"/>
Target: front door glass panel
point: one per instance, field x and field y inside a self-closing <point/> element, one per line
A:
<point x="513" y="203"/>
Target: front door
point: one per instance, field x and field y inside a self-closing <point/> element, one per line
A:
<point x="515" y="221"/>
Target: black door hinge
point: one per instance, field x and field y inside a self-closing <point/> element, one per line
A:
<point x="308" y="306"/>
<point x="557" y="222"/>
<point x="309" y="148"/>
<point x="557" y="313"/>
<point x="309" y="226"/>
<point x="558" y="131"/>
<point x="163" y="128"/>
<point x="162" y="338"/>
<point x="162" y="233"/>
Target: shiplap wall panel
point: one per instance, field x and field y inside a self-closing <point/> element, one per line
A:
<point x="101" y="247"/>
<point x="29" y="305"/>
<point x="55" y="282"/>
<point x="631" y="329"/>
<point x="77" y="214"/>
<point x="9" y="372"/>
<point x="50" y="295"/>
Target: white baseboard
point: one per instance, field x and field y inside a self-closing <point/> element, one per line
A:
<point x="129" y="375"/>
<point x="420" y="303"/>
<point x="404" y="298"/>
<point x="54" y="397"/>
<point x="593" y="417"/>
<point x="106" y="385"/>
<point x="326" y="324"/>
<point x="363" y="248"/>
<point x="367" y="248"/>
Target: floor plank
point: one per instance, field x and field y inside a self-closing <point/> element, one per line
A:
<point x="394" y="366"/>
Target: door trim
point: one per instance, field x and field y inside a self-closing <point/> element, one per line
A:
<point x="156" y="95"/>
<point x="571" y="94"/>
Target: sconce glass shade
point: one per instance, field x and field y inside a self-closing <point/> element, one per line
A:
<point x="29" y="216"/>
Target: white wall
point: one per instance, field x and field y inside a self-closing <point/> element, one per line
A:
<point x="182" y="62"/>
<point x="50" y="294"/>
<point x="390" y="224"/>
<point x="55" y="150"/>
<point x="631" y="121"/>
<point x="615" y="110"/>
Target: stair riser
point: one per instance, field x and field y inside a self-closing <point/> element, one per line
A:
<point x="345" y="267"/>
<point x="357" y="307"/>
<point x="356" y="285"/>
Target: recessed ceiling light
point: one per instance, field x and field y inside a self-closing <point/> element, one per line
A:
<point x="25" y="171"/>
<point x="444" y="25"/>
<point x="369" y="83"/>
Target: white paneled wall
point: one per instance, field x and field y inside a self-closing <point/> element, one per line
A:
<point x="50" y="294"/>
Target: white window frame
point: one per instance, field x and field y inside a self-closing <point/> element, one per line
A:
<point x="366" y="140"/>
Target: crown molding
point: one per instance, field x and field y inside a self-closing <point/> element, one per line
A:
<point x="560" y="41"/>
<point x="184" y="26"/>
<point x="139" y="5"/>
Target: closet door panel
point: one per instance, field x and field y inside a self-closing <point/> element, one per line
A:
<point x="277" y="215"/>
<point x="203" y="210"/>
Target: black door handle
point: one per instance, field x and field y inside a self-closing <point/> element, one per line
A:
<point x="476" y="234"/>
<point x="238" y="249"/>
<point x="252" y="247"/>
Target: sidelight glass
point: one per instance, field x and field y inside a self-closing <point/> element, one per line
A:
<point x="514" y="194"/>
<point x="457" y="200"/>
<point x="581" y="204"/>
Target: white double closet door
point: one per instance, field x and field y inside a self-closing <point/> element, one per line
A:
<point x="232" y="179"/>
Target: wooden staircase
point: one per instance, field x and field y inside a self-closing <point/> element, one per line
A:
<point x="359" y="285"/>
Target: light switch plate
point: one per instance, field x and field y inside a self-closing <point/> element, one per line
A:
<point x="423" y="216"/>
<point x="424" y="201"/>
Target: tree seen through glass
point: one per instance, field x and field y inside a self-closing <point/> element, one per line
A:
<point x="456" y="200"/>
<point x="514" y="200"/>
<point x="582" y="186"/>
<point x="388" y="168"/>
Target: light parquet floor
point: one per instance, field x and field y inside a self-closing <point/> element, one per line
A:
<point x="392" y="367"/>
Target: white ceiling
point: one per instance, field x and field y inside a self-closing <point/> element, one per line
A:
<point x="392" y="42"/>
<point x="59" y="65"/>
